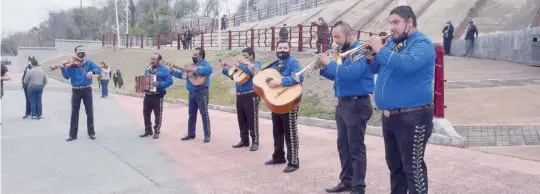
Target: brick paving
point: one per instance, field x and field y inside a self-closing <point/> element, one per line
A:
<point x="500" y="135"/>
<point x="492" y="83"/>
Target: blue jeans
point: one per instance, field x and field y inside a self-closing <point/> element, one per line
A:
<point x="34" y="94"/>
<point x="198" y="101"/>
<point x="104" y="88"/>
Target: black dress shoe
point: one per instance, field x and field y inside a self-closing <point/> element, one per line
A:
<point x="273" y="162"/>
<point x="241" y="144"/>
<point x="339" y="188"/>
<point x="71" y="139"/>
<point x="145" y="134"/>
<point x="206" y="139"/>
<point x="187" y="137"/>
<point x="25" y="116"/>
<point x="156" y="136"/>
<point x="92" y="137"/>
<point x="289" y="169"/>
<point x="254" y="147"/>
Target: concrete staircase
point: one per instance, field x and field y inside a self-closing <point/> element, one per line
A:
<point x="473" y="12"/>
<point x="536" y="20"/>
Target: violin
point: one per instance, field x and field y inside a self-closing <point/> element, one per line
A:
<point x="75" y="62"/>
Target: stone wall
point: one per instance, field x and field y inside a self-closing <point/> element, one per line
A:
<point x="514" y="46"/>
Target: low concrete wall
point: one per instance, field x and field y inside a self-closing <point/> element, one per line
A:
<point x="61" y="47"/>
<point x="514" y="46"/>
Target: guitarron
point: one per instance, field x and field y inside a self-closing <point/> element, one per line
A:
<point x="279" y="99"/>
<point x="193" y="77"/>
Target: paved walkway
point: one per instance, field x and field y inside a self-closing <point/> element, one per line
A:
<point x="36" y="159"/>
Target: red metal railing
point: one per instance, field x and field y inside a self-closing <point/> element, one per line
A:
<point x="438" y="98"/>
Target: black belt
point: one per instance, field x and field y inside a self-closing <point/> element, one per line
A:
<point x="244" y="93"/>
<point x="387" y="113"/>
<point x="345" y="98"/>
<point x="80" y="87"/>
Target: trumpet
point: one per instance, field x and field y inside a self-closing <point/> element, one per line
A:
<point x="313" y="66"/>
<point x="367" y="51"/>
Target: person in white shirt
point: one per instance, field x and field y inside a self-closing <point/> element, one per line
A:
<point x="105" y="76"/>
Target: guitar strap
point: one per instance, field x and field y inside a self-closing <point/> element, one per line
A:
<point x="270" y="65"/>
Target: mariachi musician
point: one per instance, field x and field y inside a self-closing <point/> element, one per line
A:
<point x="198" y="94"/>
<point x="405" y="95"/>
<point x="353" y="82"/>
<point x="247" y="101"/>
<point x="80" y="71"/>
<point x="284" y="125"/>
<point x="153" y="101"/>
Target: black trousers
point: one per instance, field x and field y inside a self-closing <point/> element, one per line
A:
<point x="447" y="43"/>
<point x="198" y="100"/>
<point x="247" y="109"/>
<point x="405" y="138"/>
<point x="285" y="128"/>
<point x="352" y="116"/>
<point x="84" y="95"/>
<point x="27" y="111"/>
<point x="153" y="103"/>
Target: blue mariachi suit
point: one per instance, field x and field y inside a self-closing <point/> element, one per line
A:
<point x="153" y="102"/>
<point x="404" y="91"/>
<point x="353" y="82"/>
<point x="81" y="91"/>
<point x="198" y="98"/>
<point x="284" y="125"/>
<point x="247" y="106"/>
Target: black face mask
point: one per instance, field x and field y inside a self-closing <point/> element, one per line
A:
<point x="81" y="55"/>
<point x="345" y="46"/>
<point x="282" y="55"/>
<point x="194" y="59"/>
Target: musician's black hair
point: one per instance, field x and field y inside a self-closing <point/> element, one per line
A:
<point x="405" y="12"/>
<point x="346" y="26"/>
<point x="201" y="52"/>
<point x="249" y="51"/>
<point x="75" y="49"/>
<point x="283" y="41"/>
<point x="159" y="57"/>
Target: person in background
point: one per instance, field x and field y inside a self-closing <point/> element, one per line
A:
<point x="284" y="33"/>
<point x="6" y="76"/>
<point x="25" y="87"/>
<point x="322" y="33"/>
<point x="472" y="34"/>
<point x="105" y="76"/>
<point x="36" y="80"/>
<point x="189" y="39"/>
<point x="448" y="35"/>
<point x="224" y="22"/>
<point x="120" y="79"/>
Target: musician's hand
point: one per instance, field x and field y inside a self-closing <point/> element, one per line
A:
<point x="275" y="83"/>
<point x="323" y="59"/>
<point x="223" y="64"/>
<point x="375" y="43"/>
<point x="89" y="75"/>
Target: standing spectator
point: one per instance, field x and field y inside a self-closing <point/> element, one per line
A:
<point x="284" y="33"/>
<point x="448" y="35"/>
<point x="105" y="76"/>
<point x="224" y="21"/>
<point x="189" y="39"/>
<point x="25" y="88"/>
<point x="184" y="39"/>
<point x="322" y="33"/>
<point x="36" y="81"/>
<point x="472" y="34"/>
<point x="5" y="77"/>
<point x="115" y="79"/>
<point x="120" y="79"/>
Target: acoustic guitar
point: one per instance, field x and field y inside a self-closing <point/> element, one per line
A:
<point x="236" y="73"/>
<point x="193" y="77"/>
<point x="279" y="99"/>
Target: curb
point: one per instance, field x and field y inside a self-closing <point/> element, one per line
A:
<point x="441" y="135"/>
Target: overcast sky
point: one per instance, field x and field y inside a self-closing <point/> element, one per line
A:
<point x="21" y="15"/>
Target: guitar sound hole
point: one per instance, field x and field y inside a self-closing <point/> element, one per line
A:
<point x="268" y="80"/>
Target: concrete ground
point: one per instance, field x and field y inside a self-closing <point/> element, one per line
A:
<point x="36" y="159"/>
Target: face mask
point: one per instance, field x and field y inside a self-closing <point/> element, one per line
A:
<point x="194" y="59"/>
<point x="282" y="55"/>
<point x="345" y="46"/>
<point x="81" y="55"/>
